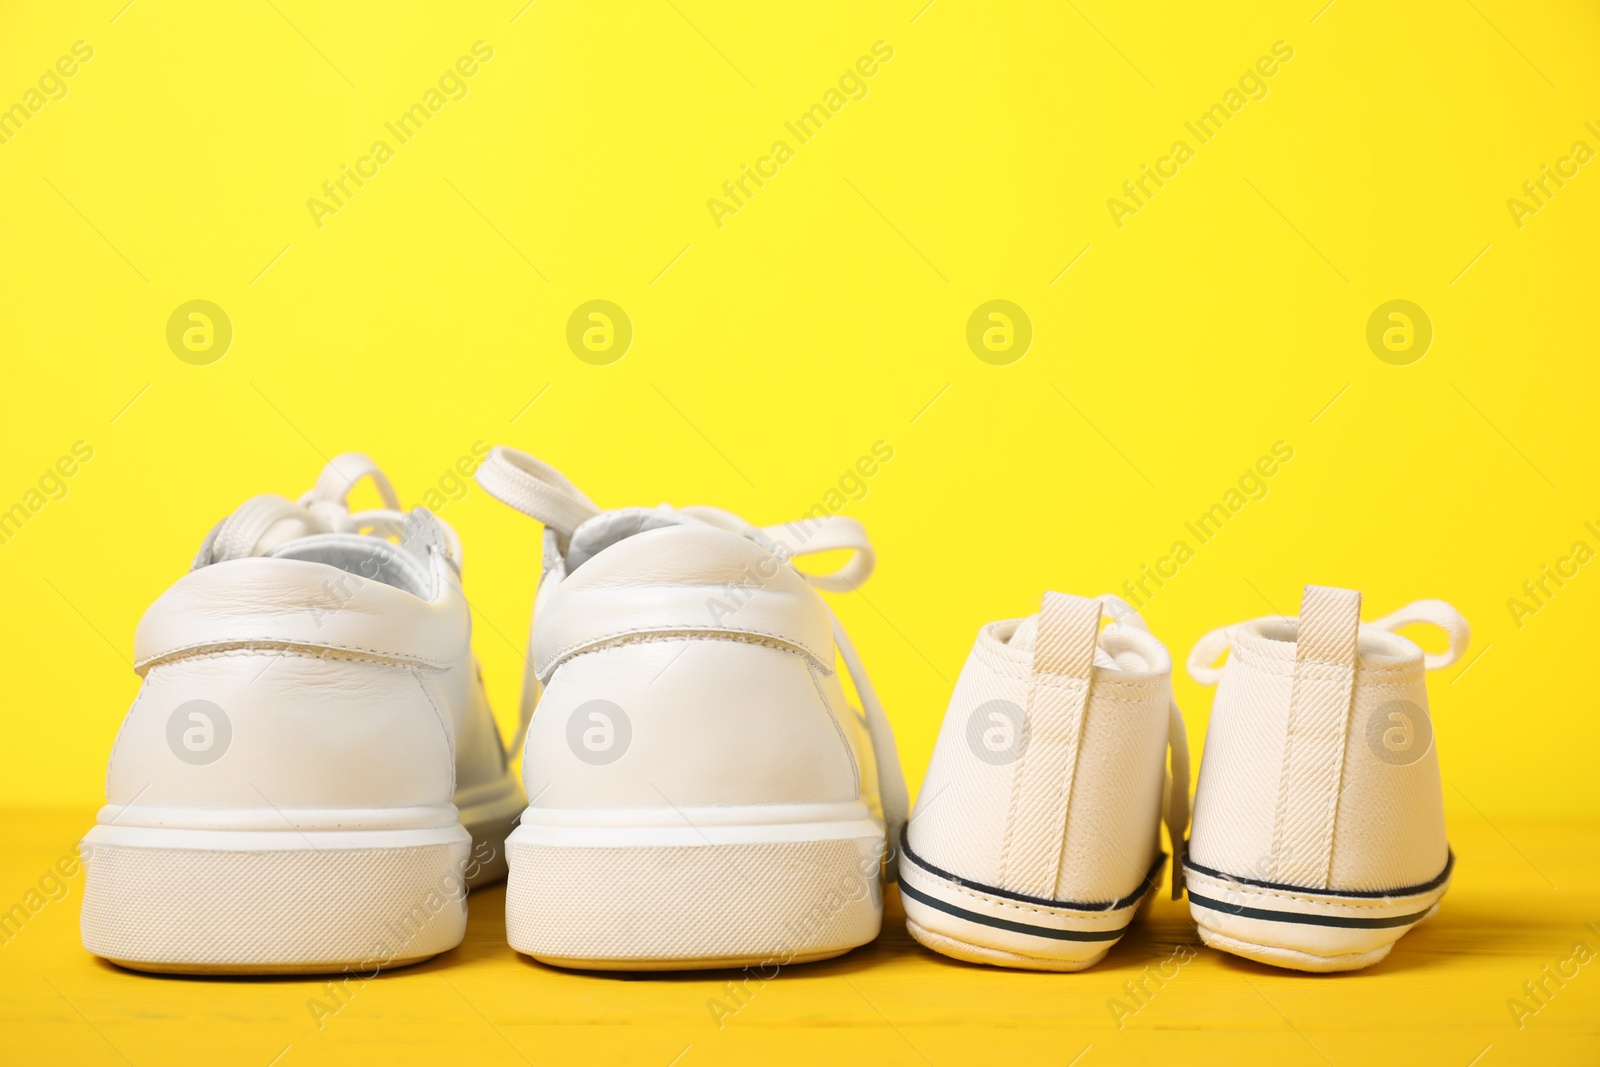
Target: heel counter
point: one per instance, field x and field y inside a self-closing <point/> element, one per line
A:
<point x="267" y="727"/>
<point x="688" y="722"/>
<point x="1112" y="840"/>
<point x="1236" y="792"/>
<point x="1389" y="830"/>
<point x="959" y="820"/>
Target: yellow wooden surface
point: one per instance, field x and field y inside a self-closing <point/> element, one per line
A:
<point x="1523" y="895"/>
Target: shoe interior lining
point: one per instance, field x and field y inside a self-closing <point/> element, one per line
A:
<point x="369" y="558"/>
<point x="1371" y="643"/>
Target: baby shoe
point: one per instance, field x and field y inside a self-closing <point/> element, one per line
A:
<point x="310" y="776"/>
<point x="701" y="793"/>
<point x="1036" y="836"/>
<point x="1319" y="834"/>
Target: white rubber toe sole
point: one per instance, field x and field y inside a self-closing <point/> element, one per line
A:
<point x="654" y="889"/>
<point x="314" y="901"/>
<point x="1305" y="929"/>
<point x="984" y="924"/>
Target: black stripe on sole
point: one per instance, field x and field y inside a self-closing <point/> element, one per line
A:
<point x="1344" y="922"/>
<point x="1011" y="925"/>
<point x="1354" y="894"/>
<point x="1151" y="879"/>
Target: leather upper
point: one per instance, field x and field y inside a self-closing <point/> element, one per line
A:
<point x="681" y="579"/>
<point x="264" y="601"/>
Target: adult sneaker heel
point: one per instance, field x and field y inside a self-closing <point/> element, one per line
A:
<point x="189" y="901"/>
<point x="704" y="896"/>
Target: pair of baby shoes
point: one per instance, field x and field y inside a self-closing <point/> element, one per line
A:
<point x="1318" y="835"/>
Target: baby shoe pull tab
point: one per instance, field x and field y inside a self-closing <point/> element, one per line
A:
<point x="1433" y="613"/>
<point x="1058" y="697"/>
<point x="1318" y="731"/>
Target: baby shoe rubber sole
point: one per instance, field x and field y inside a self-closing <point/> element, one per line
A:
<point x="1035" y="842"/>
<point x="1302" y="929"/>
<point x="702" y="795"/>
<point x="1319" y="835"/>
<point x="288" y="792"/>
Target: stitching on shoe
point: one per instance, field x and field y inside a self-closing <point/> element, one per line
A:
<point x="645" y="637"/>
<point x="1310" y="896"/>
<point x="263" y="648"/>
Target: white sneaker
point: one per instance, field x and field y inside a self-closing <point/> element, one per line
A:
<point x="1319" y="832"/>
<point x="699" y="791"/>
<point x="1036" y="836"/>
<point x="288" y="792"/>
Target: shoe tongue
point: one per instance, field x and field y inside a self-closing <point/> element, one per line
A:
<point x="607" y="528"/>
<point x="1027" y="632"/>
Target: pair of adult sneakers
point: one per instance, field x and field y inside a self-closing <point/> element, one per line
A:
<point x="310" y="779"/>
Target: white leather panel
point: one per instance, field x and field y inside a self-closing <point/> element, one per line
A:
<point x="708" y="722"/>
<point x="301" y="732"/>
<point x="275" y="601"/>
<point x="682" y="578"/>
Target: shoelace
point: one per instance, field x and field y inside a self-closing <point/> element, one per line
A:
<point x="539" y="491"/>
<point x="1203" y="657"/>
<point x="1176" y="809"/>
<point x="264" y="522"/>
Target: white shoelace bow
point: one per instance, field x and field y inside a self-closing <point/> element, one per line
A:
<point x="541" y="492"/>
<point x="262" y="523"/>
<point x="1203" y="657"/>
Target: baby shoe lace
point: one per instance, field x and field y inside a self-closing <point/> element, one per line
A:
<point x="1203" y="657"/>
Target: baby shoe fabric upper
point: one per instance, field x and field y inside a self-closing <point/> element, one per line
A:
<point x="1036" y="835"/>
<point x="1319" y="834"/>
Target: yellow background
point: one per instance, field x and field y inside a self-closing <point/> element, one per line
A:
<point x="770" y="353"/>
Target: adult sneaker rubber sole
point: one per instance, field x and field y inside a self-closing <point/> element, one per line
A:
<point x="681" y="889"/>
<point x="231" y="901"/>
